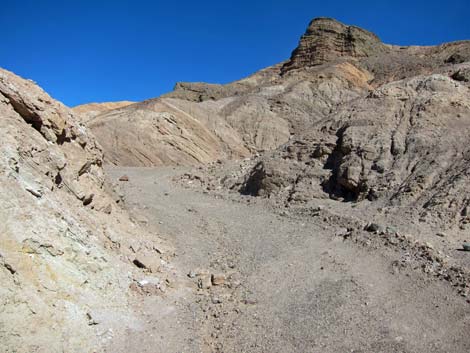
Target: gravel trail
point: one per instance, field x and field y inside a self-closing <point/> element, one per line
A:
<point x="290" y="285"/>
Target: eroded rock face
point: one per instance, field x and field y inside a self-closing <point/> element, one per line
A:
<point x="462" y="75"/>
<point x="168" y="131"/>
<point x="61" y="147"/>
<point x="64" y="240"/>
<point x="160" y="132"/>
<point x="405" y="144"/>
<point x="327" y="40"/>
<point x="416" y="126"/>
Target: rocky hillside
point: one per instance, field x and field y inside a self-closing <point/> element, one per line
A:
<point x="169" y="131"/>
<point x="405" y="142"/>
<point x="68" y="251"/>
<point x="402" y="140"/>
<point x="334" y="66"/>
<point x="197" y="123"/>
<point x="367" y="123"/>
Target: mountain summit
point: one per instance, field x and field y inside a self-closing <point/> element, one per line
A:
<point x="327" y="39"/>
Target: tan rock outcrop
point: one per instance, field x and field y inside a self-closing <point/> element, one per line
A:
<point x="65" y="242"/>
<point x="327" y="40"/>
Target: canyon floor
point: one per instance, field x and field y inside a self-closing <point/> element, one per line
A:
<point x="280" y="282"/>
<point x="323" y="207"/>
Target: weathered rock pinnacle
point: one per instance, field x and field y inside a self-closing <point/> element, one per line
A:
<point x="327" y="39"/>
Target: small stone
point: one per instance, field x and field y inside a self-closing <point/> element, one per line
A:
<point x="143" y="282"/>
<point x="342" y="232"/>
<point x="149" y="263"/>
<point x="204" y="282"/>
<point x="218" y="279"/>
<point x="149" y="280"/>
<point x="88" y="199"/>
<point x="91" y="321"/>
<point x="466" y="246"/>
<point x="31" y="246"/>
<point x="441" y="234"/>
<point x="249" y="301"/>
<point x="34" y="191"/>
<point x="139" y="264"/>
<point x="372" y="227"/>
<point x="317" y="209"/>
<point x="216" y="300"/>
<point x="135" y="246"/>
<point x="151" y="286"/>
<point x="428" y="245"/>
<point x="124" y="178"/>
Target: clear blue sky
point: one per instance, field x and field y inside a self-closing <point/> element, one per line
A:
<point x="82" y="51"/>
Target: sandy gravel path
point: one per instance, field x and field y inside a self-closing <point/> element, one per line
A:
<point x="291" y="286"/>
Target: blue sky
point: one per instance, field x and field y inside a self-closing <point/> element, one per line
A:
<point x="93" y="51"/>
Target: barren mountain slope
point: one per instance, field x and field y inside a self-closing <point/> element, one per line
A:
<point x="158" y="132"/>
<point x="67" y="248"/>
<point x="333" y="65"/>
<point x="175" y="131"/>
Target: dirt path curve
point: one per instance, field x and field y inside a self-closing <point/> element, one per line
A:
<point x="291" y="286"/>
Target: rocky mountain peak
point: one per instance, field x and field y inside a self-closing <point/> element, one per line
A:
<point x="327" y="40"/>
